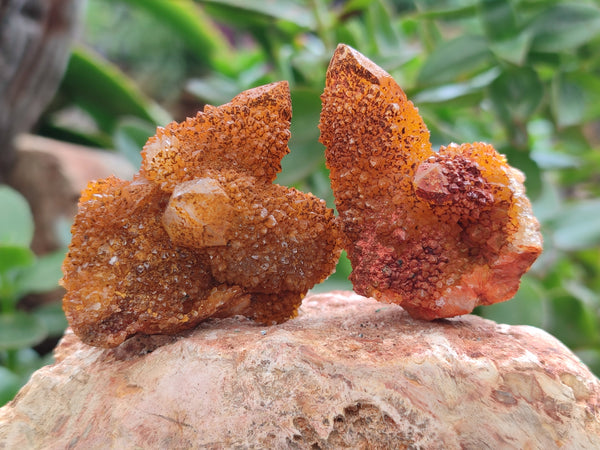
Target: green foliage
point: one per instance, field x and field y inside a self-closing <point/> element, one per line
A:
<point x="521" y="74"/>
<point x="21" y="272"/>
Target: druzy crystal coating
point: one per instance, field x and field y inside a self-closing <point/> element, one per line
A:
<point x="436" y="232"/>
<point x="201" y="231"/>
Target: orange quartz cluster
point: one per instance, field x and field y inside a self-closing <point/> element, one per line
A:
<point x="438" y="233"/>
<point x="201" y="231"/>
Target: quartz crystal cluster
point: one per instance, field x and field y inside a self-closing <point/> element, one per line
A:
<point x="201" y="231"/>
<point x="436" y="232"/>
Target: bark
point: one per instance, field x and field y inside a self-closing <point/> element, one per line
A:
<point x="35" y="37"/>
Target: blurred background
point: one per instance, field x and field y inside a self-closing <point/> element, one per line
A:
<point x="83" y="84"/>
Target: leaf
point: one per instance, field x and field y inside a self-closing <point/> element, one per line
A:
<point x="513" y="49"/>
<point x="20" y="330"/>
<point x="454" y="59"/>
<point x="289" y="10"/>
<point x="549" y="203"/>
<point x="516" y="94"/>
<point x="105" y="92"/>
<point x="130" y="136"/>
<point x="188" y="21"/>
<point x="589" y="84"/>
<point x="70" y="133"/>
<point x="567" y="100"/>
<point x="533" y="176"/>
<point x="526" y="308"/>
<point x="582" y="293"/>
<point x="564" y="27"/>
<point x="498" y="18"/>
<point x="215" y="89"/>
<point x="306" y="152"/>
<point x="351" y="32"/>
<point x="578" y="226"/>
<point x="544" y="150"/>
<point x="453" y="91"/>
<point x="338" y="281"/>
<point x="13" y="261"/>
<point x="53" y="318"/>
<point x="351" y="6"/>
<point x="15" y="257"/>
<point x="16" y="226"/>
<point x="43" y="275"/>
<point x="450" y="12"/>
<point x="10" y="383"/>
<point x="572" y="322"/>
<point x="548" y="159"/>
<point x="380" y="27"/>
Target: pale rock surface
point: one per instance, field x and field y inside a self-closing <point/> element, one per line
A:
<point x="348" y="372"/>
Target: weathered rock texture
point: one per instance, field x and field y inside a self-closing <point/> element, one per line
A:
<point x="347" y="372"/>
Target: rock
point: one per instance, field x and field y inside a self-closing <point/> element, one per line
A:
<point x="201" y="231"/>
<point x="347" y="372"/>
<point x="437" y="233"/>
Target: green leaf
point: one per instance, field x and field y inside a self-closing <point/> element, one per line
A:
<point x="351" y="32"/>
<point x="582" y="293"/>
<point x="568" y="101"/>
<point x="454" y="59"/>
<point x="43" y="276"/>
<point x="380" y="28"/>
<point x="572" y="322"/>
<point x="130" y="136"/>
<point x="513" y="49"/>
<point x="453" y="91"/>
<point x="105" y="92"/>
<point x="526" y="308"/>
<point x="188" y="21"/>
<point x="523" y="161"/>
<point x="516" y="94"/>
<point x="589" y="84"/>
<point x="215" y="89"/>
<point x="549" y="203"/>
<point x="551" y="160"/>
<point x="306" y="154"/>
<point x="565" y="27"/>
<point x="339" y="279"/>
<point x="578" y="226"/>
<point x="544" y="151"/>
<point x="289" y="10"/>
<point x="351" y="6"/>
<point x="498" y="18"/>
<point x="53" y="318"/>
<point x="449" y="12"/>
<point x="16" y="226"/>
<point x="15" y="257"/>
<point x="14" y="260"/>
<point x="20" y="330"/>
<point x="71" y="134"/>
<point x="10" y="383"/>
